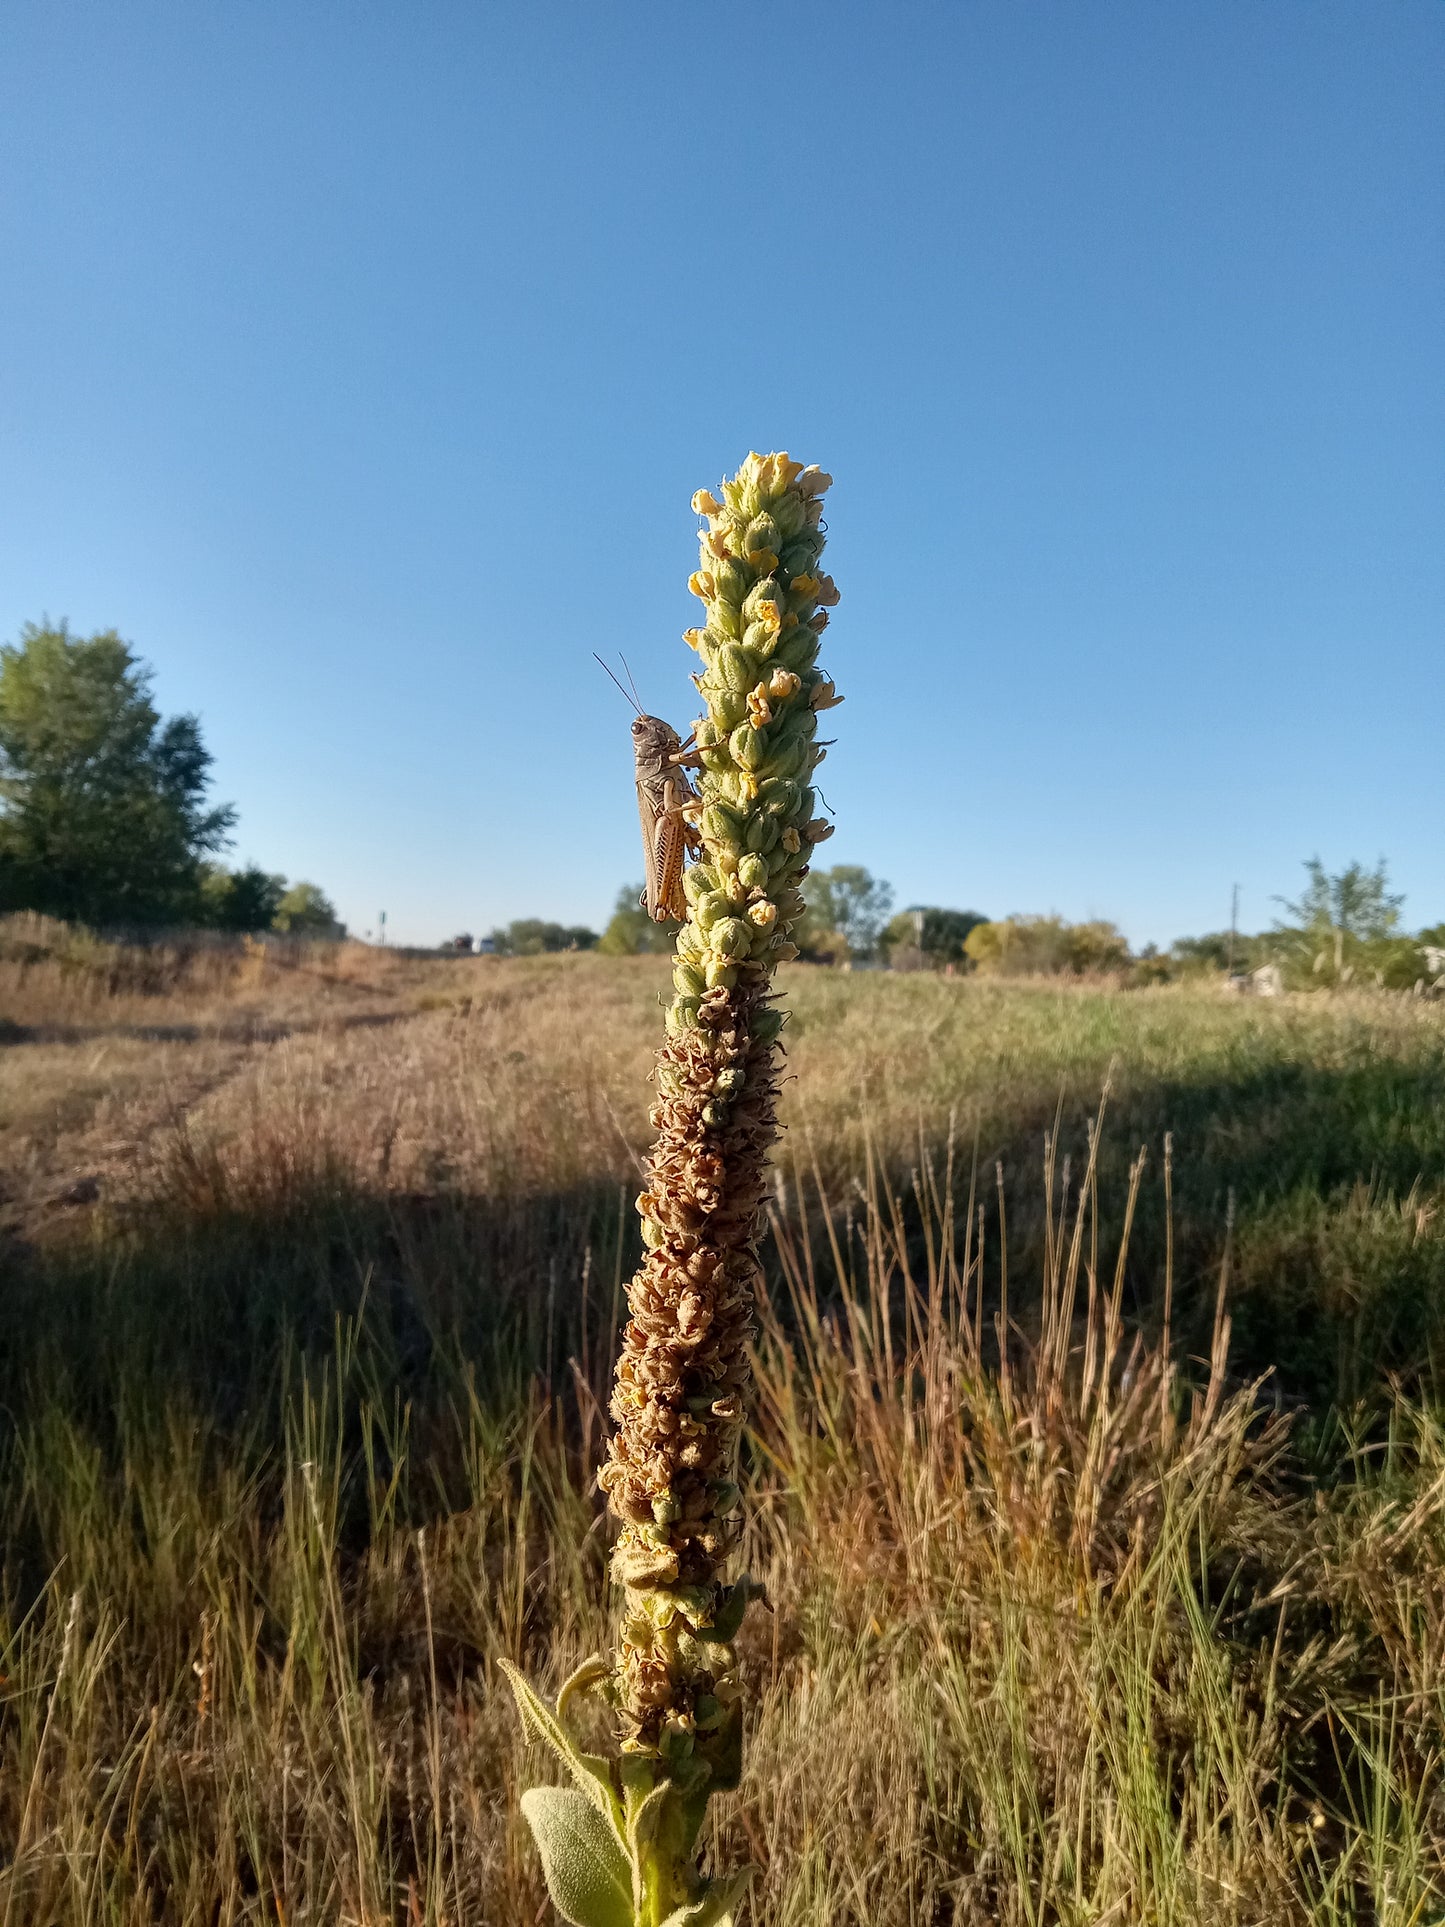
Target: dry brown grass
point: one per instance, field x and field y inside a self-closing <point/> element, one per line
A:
<point x="300" y="1416"/>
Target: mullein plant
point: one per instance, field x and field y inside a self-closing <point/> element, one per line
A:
<point x="620" y="1848"/>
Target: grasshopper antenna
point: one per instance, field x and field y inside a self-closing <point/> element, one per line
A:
<point x="630" y="683"/>
<point x="607" y="672"/>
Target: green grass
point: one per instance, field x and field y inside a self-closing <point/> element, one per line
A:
<point x="298" y="1428"/>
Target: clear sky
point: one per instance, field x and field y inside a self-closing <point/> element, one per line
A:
<point x="357" y="362"/>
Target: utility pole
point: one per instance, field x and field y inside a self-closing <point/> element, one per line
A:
<point x="1233" y="926"/>
<point x="383" y="926"/>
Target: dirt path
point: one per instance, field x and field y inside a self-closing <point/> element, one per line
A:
<point x="86" y="1110"/>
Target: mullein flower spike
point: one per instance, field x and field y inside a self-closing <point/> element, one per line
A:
<point x="682" y="1380"/>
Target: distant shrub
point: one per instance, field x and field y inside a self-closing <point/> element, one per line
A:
<point x="532" y="937"/>
<point x="307" y="911"/>
<point x="1046" y="946"/>
<point x="632" y="933"/>
<point x="239" y="900"/>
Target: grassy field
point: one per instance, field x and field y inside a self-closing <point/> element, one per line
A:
<point x="1096" y="1477"/>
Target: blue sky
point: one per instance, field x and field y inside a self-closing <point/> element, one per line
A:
<point x="358" y="361"/>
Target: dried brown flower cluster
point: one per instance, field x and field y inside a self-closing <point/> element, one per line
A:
<point x="682" y="1378"/>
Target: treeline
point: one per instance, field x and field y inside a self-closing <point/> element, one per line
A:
<point x="104" y="817"/>
<point x="1343" y="929"/>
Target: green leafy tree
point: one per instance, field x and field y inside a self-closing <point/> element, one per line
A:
<point x="531" y="937"/>
<point x="1335" y="919"/>
<point x="245" y="899"/>
<point x="936" y="937"/>
<point x="103" y="817"/>
<point x="1218" y="950"/>
<point x="632" y="932"/>
<point x="306" y="911"/>
<point x="847" y="908"/>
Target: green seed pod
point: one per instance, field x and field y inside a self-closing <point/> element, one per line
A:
<point x="725" y="617"/>
<point x="721" y="824"/>
<point x="766" y="591"/>
<point x="709" y="908"/>
<point x="721" y="974"/>
<point x="736" y="667"/>
<point x="682" y="1014"/>
<point x="691" y="1601"/>
<point x="689" y="979"/>
<point x="762" y="533"/>
<point x="780" y="797"/>
<point x="753" y="871"/>
<point x="729" y="706"/>
<point x="730" y="938"/>
<point x="788" y="759"/>
<point x="789" y="515"/>
<point x="795" y="723"/>
<point x="762" y="835"/>
<point x="797" y="559"/>
<point x="698" y="881"/>
<point x="747" y="747"/>
<point x="798" y="650"/>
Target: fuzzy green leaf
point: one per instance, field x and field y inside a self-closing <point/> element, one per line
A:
<point x="715" y="1908"/>
<point x="587" y="1872"/>
<point x="589" y="1674"/>
<point x="589" y="1770"/>
<point x="642" y="1822"/>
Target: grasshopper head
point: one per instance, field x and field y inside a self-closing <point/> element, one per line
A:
<point x="654" y="740"/>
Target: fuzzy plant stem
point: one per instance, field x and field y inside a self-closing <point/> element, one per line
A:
<point x="682" y="1382"/>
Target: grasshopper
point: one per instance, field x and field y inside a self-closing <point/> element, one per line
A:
<point x="667" y="804"/>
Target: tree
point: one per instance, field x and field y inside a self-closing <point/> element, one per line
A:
<point x="245" y="899"/>
<point x="1046" y="946"/>
<point x="1334" y="915"/>
<point x="936" y="937"/>
<point x="102" y="804"/>
<point x="632" y="932"/>
<point x="306" y="911"/>
<point x="846" y="910"/>
<point x="531" y="937"/>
